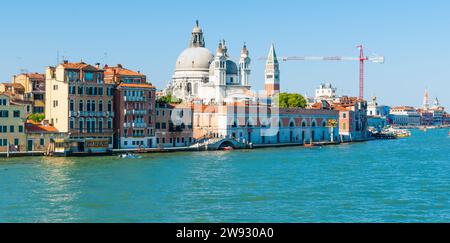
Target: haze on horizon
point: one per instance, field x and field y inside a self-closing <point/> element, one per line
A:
<point x="148" y="36"/>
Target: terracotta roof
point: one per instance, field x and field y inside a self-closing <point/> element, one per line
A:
<point x="78" y="65"/>
<point x="122" y="71"/>
<point x="15" y="85"/>
<point x="403" y="108"/>
<point x="36" y="76"/>
<point x="39" y="128"/>
<point x="146" y="86"/>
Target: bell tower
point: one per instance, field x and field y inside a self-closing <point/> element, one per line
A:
<point x="272" y="79"/>
<point x="244" y="67"/>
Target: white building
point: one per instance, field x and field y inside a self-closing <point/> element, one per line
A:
<point x="202" y="76"/>
<point x="326" y="92"/>
<point x="405" y="116"/>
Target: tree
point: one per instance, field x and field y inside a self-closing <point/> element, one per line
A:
<point x="36" y="117"/>
<point x="287" y="100"/>
<point x="169" y="99"/>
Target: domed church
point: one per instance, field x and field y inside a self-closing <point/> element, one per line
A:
<point x="202" y="76"/>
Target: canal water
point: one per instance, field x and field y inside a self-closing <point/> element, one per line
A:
<point x="404" y="180"/>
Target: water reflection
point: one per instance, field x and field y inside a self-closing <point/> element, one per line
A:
<point x="61" y="190"/>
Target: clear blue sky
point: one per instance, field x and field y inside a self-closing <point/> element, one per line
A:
<point x="149" y="35"/>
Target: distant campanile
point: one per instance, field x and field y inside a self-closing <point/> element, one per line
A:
<point x="272" y="79"/>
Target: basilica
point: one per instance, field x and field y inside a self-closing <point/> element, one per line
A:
<point x="210" y="79"/>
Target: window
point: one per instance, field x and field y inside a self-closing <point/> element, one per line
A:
<point x="55" y="103"/>
<point x="71" y="123"/>
<point x="4" y="114"/>
<point x="100" y="106"/>
<point x="80" y="90"/>
<point x="72" y="106"/>
<point x="80" y="125"/>
<point x="20" y="128"/>
<point x="109" y="106"/>
<point x="11" y="129"/>
<point x="80" y="106"/>
<point x="100" y="126"/>
<point x="73" y="76"/>
<point x="16" y="114"/>
<point x="100" y="91"/>
<point x="55" y="87"/>
<point x="16" y="142"/>
<point x="344" y="126"/>
<point x="344" y="115"/>
<point x="42" y="142"/>
<point x="158" y="125"/>
<point x="88" y="76"/>
<point x="110" y="125"/>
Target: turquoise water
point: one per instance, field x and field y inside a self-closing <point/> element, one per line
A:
<point x="381" y="181"/>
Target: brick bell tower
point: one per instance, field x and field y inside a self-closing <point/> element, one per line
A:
<point x="272" y="78"/>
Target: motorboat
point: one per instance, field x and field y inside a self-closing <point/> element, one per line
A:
<point x="130" y="156"/>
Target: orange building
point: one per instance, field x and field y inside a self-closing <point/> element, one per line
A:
<point x="134" y="102"/>
<point x="80" y="103"/>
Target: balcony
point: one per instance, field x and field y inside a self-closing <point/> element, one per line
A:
<point x="134" y="99"/>
<point x="135" y="125"/>
<point x="136" y="112"/>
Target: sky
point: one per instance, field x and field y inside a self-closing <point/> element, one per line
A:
<point x="148" y="36"/>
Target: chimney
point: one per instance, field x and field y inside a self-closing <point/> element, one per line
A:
<point x="65" y="61"/>
<point x="119" y="66"/>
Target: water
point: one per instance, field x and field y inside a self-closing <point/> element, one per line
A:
<point x="381" y="181"/>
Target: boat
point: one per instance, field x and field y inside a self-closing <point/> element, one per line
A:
<point x="130" y="156"/>
<point x="228" y="148"/>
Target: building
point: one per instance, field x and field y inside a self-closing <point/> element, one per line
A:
<point x="34" y="89"/>
<point x="201" y="76"/>
<point x="426" y="117"/>
<point x="12" y="120"/>
<point x="353" y="121"/>
<point x="446" y="119"/>
<point x="272" y="73"/>
<point x="438" y="113"/>
<point x="173" y="125"/>
<point x="40" y="135"/>
<point x="80" y="104"/>
<point x="377" y="115"/>
<point x="134" y="106"/>
<point x="261" y="124"/>
<point x="326" y="92"/>
<point x="11" y="88"/>
<point x="404" y="116"/>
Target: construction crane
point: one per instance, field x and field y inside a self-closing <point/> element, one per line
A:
<point x="362" y="59"/>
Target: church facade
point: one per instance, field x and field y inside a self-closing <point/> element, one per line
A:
<point x="210" y="79"/>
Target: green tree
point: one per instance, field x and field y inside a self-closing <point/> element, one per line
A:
<point x="287" y="100"/>
<point x="169" y="99"/>
<point x="36" y="117"/>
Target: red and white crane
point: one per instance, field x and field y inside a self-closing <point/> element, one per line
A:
<point x="362" y="59"/>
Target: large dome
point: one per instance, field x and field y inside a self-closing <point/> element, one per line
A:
<point x="194" y="59"/>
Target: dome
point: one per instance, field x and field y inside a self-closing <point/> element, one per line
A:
<point x="232" y="68"/>
<point x="194" y="58"/>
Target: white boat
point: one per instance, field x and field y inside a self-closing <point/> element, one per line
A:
<point x="130" y="156"/>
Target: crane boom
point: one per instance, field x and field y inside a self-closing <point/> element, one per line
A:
<point x="362" y="59"/>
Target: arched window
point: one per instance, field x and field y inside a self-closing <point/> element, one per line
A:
<point x="303" y="124"/>
<point x="100" y="126"/>
<point x="80" y="106"/>
<point x="292" y="124"/>
<point x="110" y="123"/>
<point x="110" y="106"/>
<point x="100" y="105"/>
<point x="324" y="124"/>
<point x="313" y="124"/>
<point x="81" y="125"/>
<point x="71" y="123"/>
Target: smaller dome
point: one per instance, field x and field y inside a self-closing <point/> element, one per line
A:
<point x="232" y="68"/>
